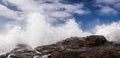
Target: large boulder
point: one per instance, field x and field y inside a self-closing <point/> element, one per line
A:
<point x="65" y="54"/>
<point x="101" y="52"/>
<point x="95" y="40"/>
<point x="73" y="42"/>
<point x="88" y="52"/>
<point x="3" y="56"/>
<point x="47" y="49"/>
<point x="22" y="51"/>
<point x="94" y="46"/>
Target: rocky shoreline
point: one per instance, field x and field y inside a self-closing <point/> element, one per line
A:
<point x="93" y="46"/>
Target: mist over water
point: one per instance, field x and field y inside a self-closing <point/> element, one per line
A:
<point x="38" y="28"/>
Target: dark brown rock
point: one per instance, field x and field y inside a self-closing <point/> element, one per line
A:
<point x="47" y="49"/>
<point x="65" y="54"/>
<point x="73" y="43"/>
<point x="22" y="53"/>
<point x="94" y="46"/>
<point x="95" y="40"/>
<point x="3" y="56"/>
<point x="101" y="53"/>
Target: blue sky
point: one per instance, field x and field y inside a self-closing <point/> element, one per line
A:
<point x="94" y="7"/>
<point x="89" y="20"/>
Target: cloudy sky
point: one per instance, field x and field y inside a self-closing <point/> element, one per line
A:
<point x="41" y="22"/>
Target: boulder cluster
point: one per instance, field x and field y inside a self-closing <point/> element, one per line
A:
<point x="93" y="46"/>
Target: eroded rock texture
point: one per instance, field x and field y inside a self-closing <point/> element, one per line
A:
<point x="94" y="46"/>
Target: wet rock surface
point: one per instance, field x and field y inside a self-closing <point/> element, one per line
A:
<point x="94" y="46"/>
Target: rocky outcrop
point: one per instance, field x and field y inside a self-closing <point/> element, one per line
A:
<point x="95" y="40"/>
<point x="94" y="46"/>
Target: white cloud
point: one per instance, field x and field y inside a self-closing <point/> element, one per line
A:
<point x="68" y="8"/>
<point x="106" y="10"/>
<point x="4" y="11"/>
<point x="60" y="14"/>
<point x="24" y="5"/>
<point x="109" y="6"/>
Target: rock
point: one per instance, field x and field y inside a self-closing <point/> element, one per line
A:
<point x="101" y="53"/>
<point x="95" y="40"/>
<point x="3" y="56"/>
<point x="22" y="53"/>
<point x="65" y="54"/>
<point x="94" y="46"/>
<point x="47" y="49"/>
<point x="96" y="52"/>
<point x="73" y="43"/>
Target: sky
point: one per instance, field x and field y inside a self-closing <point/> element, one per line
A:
<point x="100" y="11"/>
<point x="42" y="22"/>
<point x="90" y="11"/>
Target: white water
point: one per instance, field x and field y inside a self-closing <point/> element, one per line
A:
<point x="38" y="29"/>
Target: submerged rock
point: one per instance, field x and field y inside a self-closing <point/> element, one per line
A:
<point x="94" y="46"/>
